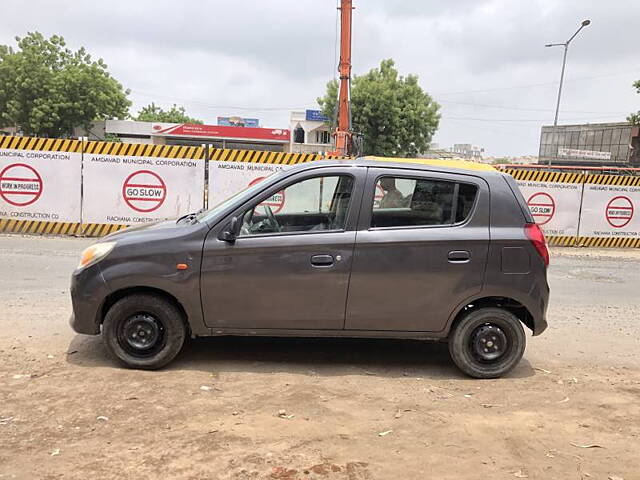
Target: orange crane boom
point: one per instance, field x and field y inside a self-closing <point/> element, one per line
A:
<point x="343" y="133"/>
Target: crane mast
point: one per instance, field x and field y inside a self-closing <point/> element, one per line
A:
<point x="343" y="133"/>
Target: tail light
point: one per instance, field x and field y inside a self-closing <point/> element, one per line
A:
<point x="536" y="237"/>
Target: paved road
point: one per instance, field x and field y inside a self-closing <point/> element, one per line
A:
<point x="579" y="384"/>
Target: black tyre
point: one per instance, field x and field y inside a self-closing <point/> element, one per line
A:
<point x="487" y="343"/>
<point x="143" y="331"/>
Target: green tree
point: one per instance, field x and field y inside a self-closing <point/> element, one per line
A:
<point x="48" y="90"/>
<point x="396" y="117"/>
<point x="634" y="118"/>
<point x="501" y="161"/>
<point x="153" y="113"/>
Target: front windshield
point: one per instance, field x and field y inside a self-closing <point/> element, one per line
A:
<point x="246" y="192"/>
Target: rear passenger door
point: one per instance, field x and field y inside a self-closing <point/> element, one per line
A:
<point x="421" y="249"/>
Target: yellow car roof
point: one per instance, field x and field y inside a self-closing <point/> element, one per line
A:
<point x="438" y="162"/>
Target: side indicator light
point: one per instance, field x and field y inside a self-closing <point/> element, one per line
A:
<point x="182" y="266"/>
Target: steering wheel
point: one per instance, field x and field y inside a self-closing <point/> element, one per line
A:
<point x="272" y="219"/>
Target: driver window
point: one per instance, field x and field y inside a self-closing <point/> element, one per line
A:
<point x="311" y="205"/>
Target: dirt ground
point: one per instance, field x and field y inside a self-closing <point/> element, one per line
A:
<point x="353" y="409"/>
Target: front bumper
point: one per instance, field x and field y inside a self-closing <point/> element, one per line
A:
<point x="88" y="293"/>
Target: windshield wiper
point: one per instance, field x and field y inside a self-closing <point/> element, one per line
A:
<point x="190" y="217"/>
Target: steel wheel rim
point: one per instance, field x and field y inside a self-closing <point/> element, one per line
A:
<point x="489" y="343"/>
<point x="141" y="334"/>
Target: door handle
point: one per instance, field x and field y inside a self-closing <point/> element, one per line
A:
<point x="322" y="260"/>
<point x="459" y="256"/>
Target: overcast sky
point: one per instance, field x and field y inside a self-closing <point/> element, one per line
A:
<point x="483" y="61"/>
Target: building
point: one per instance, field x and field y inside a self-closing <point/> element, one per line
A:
<point x="510" y="160"/>
<point x="592" y="144"/>
<point x="219" y="136"/>
<point x="468" y="151"/>
<point x="9" y="131"/>
<point x="434" y="152"/>
<point x="310" y="132"/>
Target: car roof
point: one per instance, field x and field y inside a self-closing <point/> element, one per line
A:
<point x="459" y="164"/>
<point x="426" y="164"/>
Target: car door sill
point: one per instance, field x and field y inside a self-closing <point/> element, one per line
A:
<point x="275" y="332"/>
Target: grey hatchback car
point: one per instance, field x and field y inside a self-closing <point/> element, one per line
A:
<point x="360" y="248"/>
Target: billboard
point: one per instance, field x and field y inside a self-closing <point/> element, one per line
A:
<point x="575" y="153"/>
<point x="315" y="116"/>
<point x="220" y="131"/>
<point x="238" y="122"/>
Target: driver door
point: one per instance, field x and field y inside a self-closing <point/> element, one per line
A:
<point x="289" y="266"/>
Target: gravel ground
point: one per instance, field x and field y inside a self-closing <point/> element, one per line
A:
<point x="251" y="408"/>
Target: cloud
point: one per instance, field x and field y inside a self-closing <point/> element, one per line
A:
<point x="261" y="59"/>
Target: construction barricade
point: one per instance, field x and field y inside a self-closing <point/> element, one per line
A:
<point x="73" y="187"/>
<point x="231" y="171"/>
<point x="554" y="201"/>
<point x="130" y="184"/>
<point x="56" y="186"/>
<point x="582" y="207"/>
<point x="40" y="185"/>
<point x="609" y="216"/>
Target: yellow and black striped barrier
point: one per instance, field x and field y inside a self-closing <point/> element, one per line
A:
<point x="144" y="150"/>
<point x="39" y="227"/>
<point x="58" y="228"/>
<point x="617" y="180"/>
<point x="255" y="156"/>
<point x="606" y="242"/>
<point x="100" y="229"/>
<point x="545" y="176"/>
<point x="561" y="240"/>
<point x="35" y="143"/>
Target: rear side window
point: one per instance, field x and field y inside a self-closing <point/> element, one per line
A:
<point x="466" y="198"/>
<point x="406" y="202"/>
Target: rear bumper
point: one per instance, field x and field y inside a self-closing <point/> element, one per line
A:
<point x="88" y="292"/>
<point x="539" y="311"/>
<point x="539" y="326"/>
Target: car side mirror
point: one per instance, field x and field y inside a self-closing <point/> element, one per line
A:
<point x="230" y="232"/>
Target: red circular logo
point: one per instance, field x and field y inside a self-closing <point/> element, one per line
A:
<point x="144" y="191"/>
<point x="276" y="201"/>
<point x="20" y="184"/>
<point x="542" y="207"/>
<point x="619" y="211"/>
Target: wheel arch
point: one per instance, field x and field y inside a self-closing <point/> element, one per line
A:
<point x="113" y="297"/>
<point x="507" y="303"/>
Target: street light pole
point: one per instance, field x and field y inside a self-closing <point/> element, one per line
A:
<point x="564" y="62"/>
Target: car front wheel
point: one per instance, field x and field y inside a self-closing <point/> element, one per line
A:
<point x="143" y="331"/>
<point x="487" y="343"/>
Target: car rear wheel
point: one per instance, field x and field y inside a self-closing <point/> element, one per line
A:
<point x="487" y="343"/>
<point x="143" y="331"/>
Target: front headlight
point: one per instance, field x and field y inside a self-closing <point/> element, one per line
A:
<point x="95" y="253"/>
